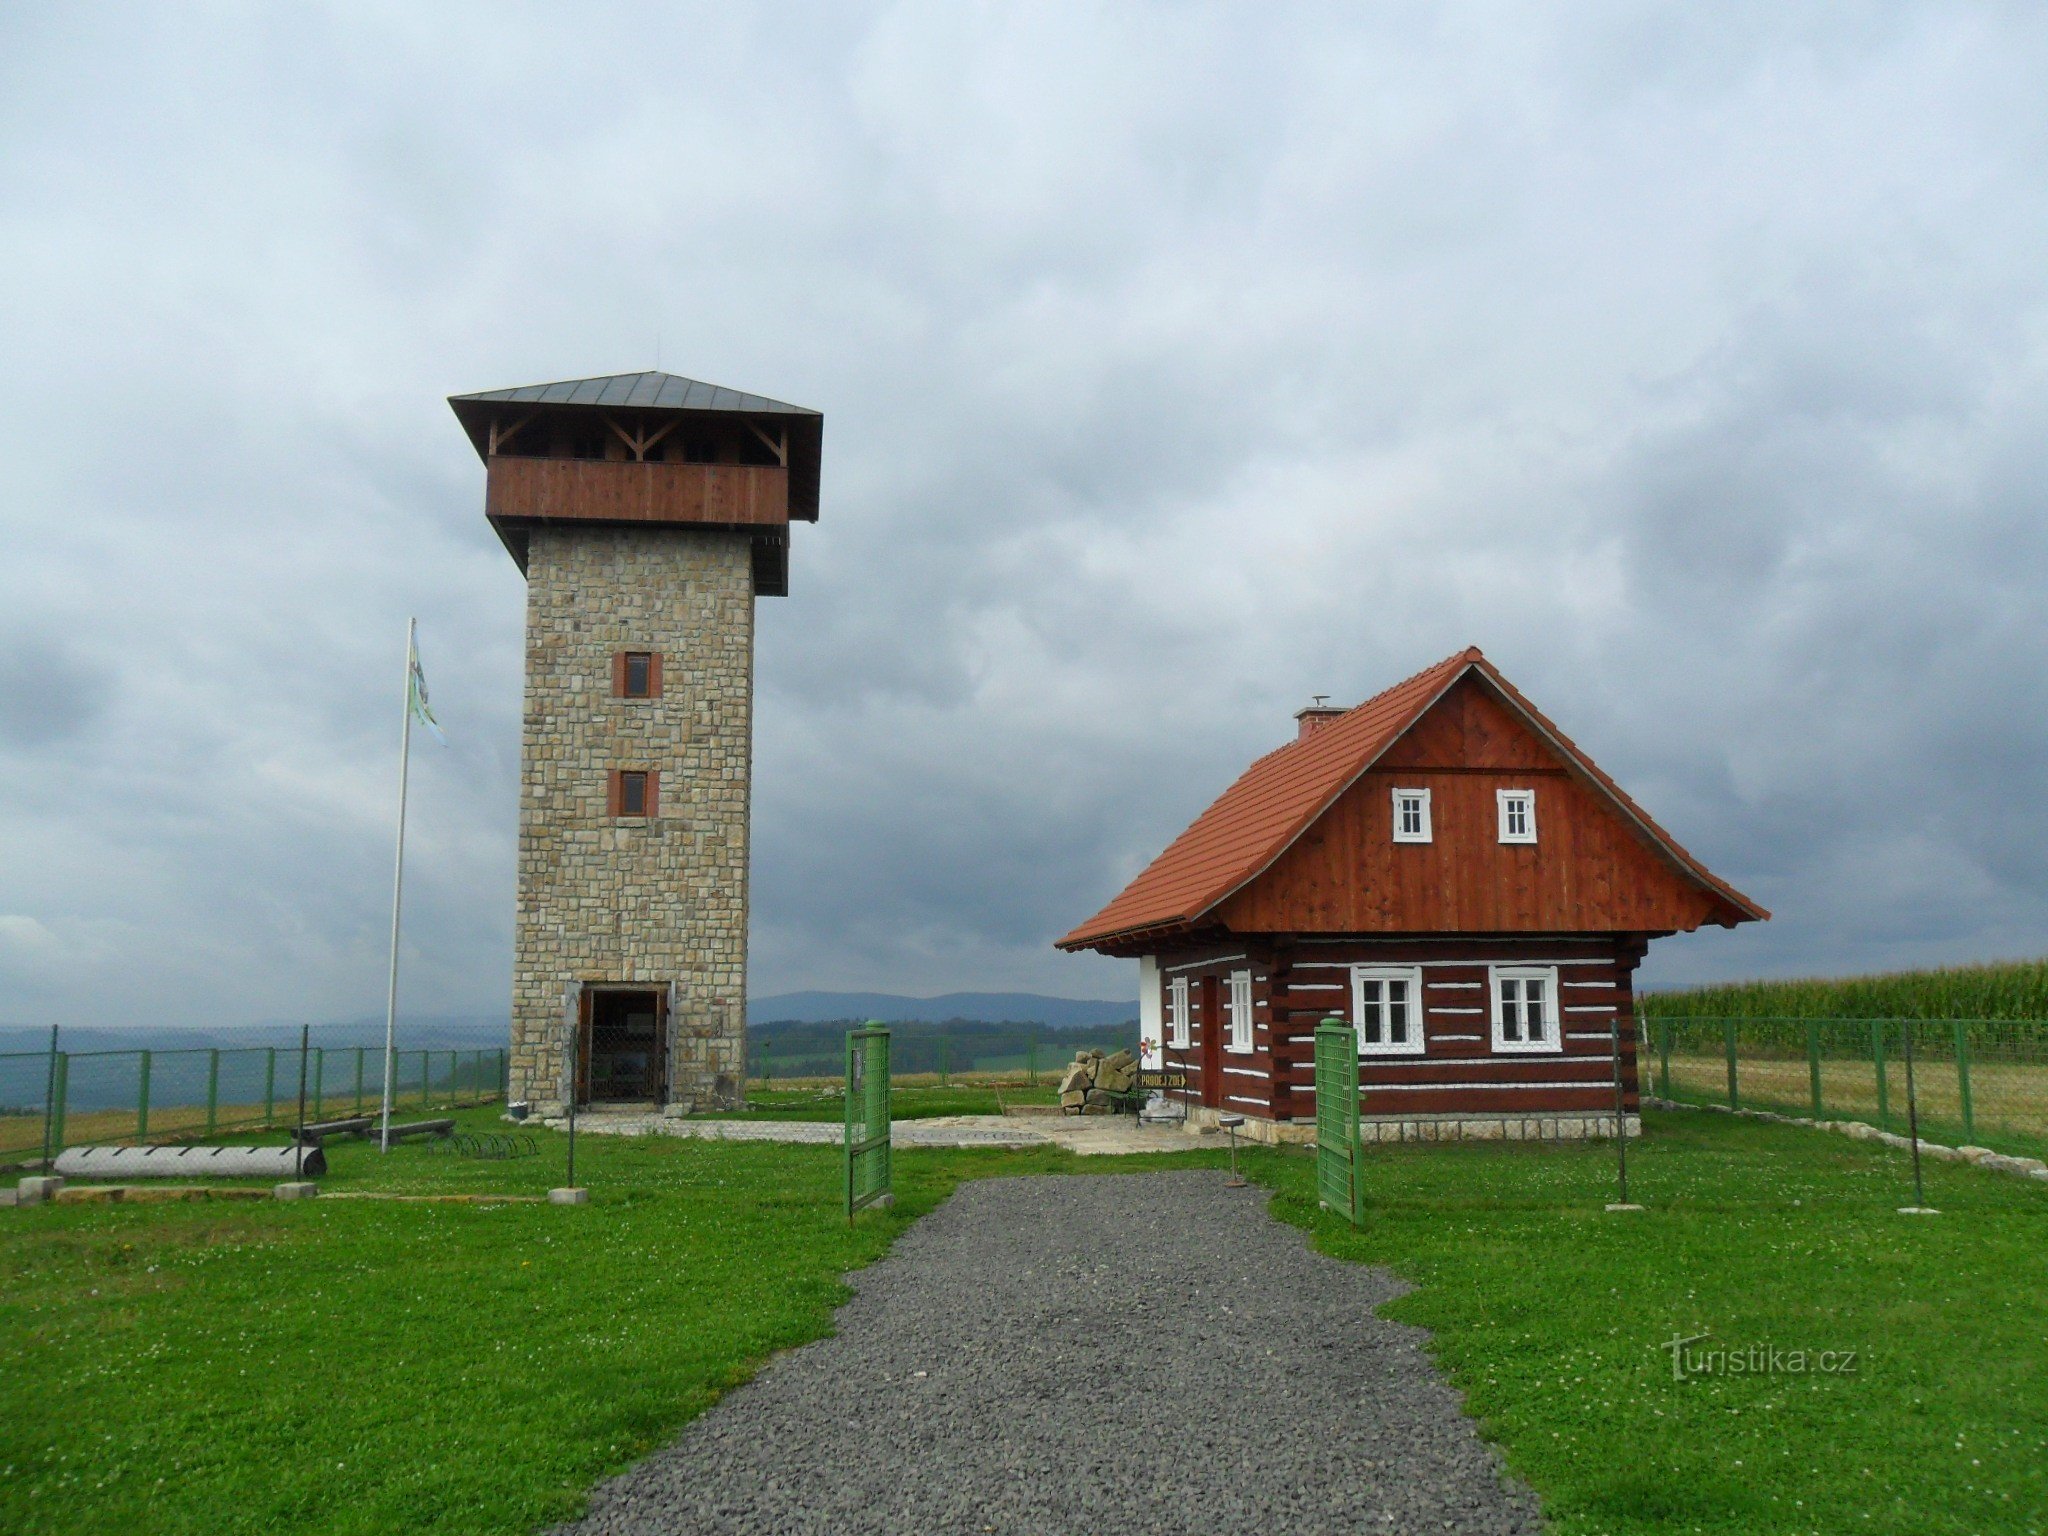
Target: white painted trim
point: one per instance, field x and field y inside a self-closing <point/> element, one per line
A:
<point x="1559" y="1059"/>
<point x="1607" y="986"/>
<point x="1177" y="1015"/>
<point x="1426" y="938"/>
<point x="1503" y="800"/>
<point x="1464" y="1037"/>
<point x="1410" y="976"/>
<point x="1589" y="1034"/>
<point x="1552" y="1044"/>
<point x="1199" y="965"/>
<point x="1460" y="986"/>
<point x="1247" y="1072"/>
<point x="1151" y="1014"/>
<point x="1300" y="1039"/>
<point x="1237" y="1014"/>
<point x="1589" y="1008"/>
<point x="1231" y="1098"/>
<point x="1607" y="1082"/>
<point x="1421" y="836"/>
<point x="1435" y="1009"/>
<point x="1322" y="986"/>
<point x="1433" y="965"/>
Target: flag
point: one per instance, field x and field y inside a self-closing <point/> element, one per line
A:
<point x="417" y="699"/>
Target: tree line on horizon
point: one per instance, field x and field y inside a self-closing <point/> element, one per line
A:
<point x="805" y="1048"/>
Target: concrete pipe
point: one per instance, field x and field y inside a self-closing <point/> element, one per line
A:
<point x="192" y="1163"/>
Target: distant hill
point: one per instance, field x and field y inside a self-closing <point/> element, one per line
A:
<point x="985" y="1007"/>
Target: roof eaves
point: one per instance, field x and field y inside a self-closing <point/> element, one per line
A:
<point x="1393" y="734"/>
<point x="1644" y="822"/>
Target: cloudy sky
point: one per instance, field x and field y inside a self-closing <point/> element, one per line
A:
<point x="1177" y="362"/>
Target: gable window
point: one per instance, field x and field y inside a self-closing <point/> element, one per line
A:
<point x="1237" y="1012"/>
<point x="636" y="675"/>
<point x="1517" y="815"/>
<point x="633" y="791"/>
<point x="1177" y="1013"/>
<point x="1411" y="816"/>
<point x="1525" y="1008"/>
<point x="1386" y="1009"/>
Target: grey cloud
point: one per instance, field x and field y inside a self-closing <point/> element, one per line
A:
<point x="48" y="692"/>
<point x="1178" y="363"/>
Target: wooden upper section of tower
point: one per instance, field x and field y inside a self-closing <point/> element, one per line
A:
<point x="647" y="450"/>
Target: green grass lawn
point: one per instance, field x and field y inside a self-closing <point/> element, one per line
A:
<point x="351" y="1366"/>
<point x="354" y="1366"/>
<point x="1550" y="1314"/>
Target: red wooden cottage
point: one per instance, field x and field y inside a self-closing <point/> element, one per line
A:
<point x="1444" y="870"/>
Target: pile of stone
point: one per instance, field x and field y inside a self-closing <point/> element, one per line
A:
<point x="1095" y="1084"/>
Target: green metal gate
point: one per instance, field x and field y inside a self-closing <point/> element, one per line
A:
<point x="1337" y="1173"/>
<point x="867" y="1119"/>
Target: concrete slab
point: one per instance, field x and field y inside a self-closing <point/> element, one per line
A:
<point x="1085" y="1135"/>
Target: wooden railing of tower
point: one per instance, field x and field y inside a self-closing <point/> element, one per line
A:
<point x="622" y="491"/>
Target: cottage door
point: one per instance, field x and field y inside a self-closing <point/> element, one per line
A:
<point x="1212" y="1042"/>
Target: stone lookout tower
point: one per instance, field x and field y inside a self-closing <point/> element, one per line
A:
<point x="647" y="513"/>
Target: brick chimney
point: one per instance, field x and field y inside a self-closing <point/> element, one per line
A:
<point x="1315" y="717"/>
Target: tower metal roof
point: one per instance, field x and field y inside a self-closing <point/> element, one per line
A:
<point x="655" y="391"/>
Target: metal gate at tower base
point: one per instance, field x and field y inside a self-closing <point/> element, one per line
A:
<point x="867" y="1119"/>
<point x="1338" y="1185"/>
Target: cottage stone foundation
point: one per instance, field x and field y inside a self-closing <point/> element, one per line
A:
<point x="1570" y="1126"/>
<point x="660" y="903"/>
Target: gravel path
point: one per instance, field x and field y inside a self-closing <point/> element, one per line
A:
<point x="1146" y="1353"/>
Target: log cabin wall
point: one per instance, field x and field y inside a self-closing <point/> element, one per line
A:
<point x="1298" y="983"/>
<point x="1230" y="1082"/>
<point x="1459" y="1072"/>
<point x="1590" y="870"/>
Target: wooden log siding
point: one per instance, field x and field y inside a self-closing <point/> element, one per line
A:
<point x="1459" y="1071"/>
<point x="609" y="491"/>
<point x="1244" y="1079"/>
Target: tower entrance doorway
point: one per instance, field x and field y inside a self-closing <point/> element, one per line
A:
<point x="624" y="1045"/>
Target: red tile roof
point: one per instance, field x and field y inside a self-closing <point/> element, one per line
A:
<point x="1282" y="794"/>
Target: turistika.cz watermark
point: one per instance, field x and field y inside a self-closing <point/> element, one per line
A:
<point x="1693" y="1357"/>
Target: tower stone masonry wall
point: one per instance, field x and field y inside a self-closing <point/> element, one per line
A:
<point x="660" y="902"/>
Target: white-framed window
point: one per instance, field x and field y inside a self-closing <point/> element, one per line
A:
<point x="1411" y="815"/>
<point x="1177" y="1013"/>
<point x="1386" y="1009"/>
<point x="1237" y="1010"/>
<point x="1517" y="815"/>
<point x="1525" y="1008"/>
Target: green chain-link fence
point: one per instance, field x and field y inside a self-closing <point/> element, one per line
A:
<point x="1977" y="1081"/>
<point x="52" y="1099"/>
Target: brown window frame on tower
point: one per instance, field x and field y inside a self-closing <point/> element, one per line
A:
<point x="622" y="666"/>
<point x="650" y="789"/>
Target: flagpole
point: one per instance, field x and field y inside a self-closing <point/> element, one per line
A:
<point x="397" y="885"/>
